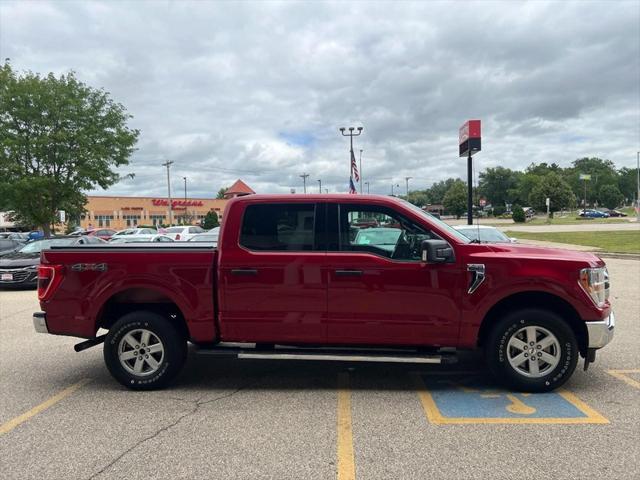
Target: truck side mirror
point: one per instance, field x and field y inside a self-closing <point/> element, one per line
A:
<point x="437" y="251"/>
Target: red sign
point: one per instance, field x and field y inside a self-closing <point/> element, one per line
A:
<point x="469" y="137"/>
<point x="177" y="203"/>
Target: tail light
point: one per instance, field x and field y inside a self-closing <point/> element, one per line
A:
<point x="177" y="236"/>
<point x="49" y="279"/>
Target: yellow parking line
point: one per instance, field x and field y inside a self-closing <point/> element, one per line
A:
<point x="620" y="375"/>
<point x="346" y="463"/>
<point x="14" y="422"/>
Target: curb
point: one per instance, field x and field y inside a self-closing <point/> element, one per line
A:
<point x="624" y="256"/>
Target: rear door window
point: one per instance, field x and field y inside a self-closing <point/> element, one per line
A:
<point x="279" y="227"/>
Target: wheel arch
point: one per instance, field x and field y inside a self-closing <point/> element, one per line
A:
<point x="138" y="299"/>
<point x="539" y="300"/>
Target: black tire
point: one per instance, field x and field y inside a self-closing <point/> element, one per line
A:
<point x="168" y="363"/>
<point x="549" y="377"/>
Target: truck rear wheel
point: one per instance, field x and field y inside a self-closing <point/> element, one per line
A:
<point x="532" y="350"/>
<point x="144" y="351"/>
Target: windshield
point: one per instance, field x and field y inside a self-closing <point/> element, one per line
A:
<point x="378" y="236"/>
<point x="39" y="245"/>
<point x="450" y="230"/>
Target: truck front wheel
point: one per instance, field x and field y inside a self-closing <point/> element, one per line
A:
<point x="532" y="350"/>
<point x="144" y="351"/>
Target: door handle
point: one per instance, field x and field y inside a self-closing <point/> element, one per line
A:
<point x="244" y="271"/>
<point x="348" y="273"/>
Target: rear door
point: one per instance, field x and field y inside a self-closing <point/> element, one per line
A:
<point x="273" y="274"/>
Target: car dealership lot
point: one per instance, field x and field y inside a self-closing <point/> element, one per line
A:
<point x="62" y="415"/>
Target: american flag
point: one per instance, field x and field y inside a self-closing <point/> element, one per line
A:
<point x="352" y="187"/>
<point x="354" y="168"/>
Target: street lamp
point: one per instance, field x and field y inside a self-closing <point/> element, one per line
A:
<point x="392" y="185"/>
<point x="352" y="157"/>
<point x="407" y="180"/>
<point x="320" y="185"/>
<point x="304" y="177"/>
<point x="367" y="184"/>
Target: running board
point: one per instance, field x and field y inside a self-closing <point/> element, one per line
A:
<point x="395" y="356"/>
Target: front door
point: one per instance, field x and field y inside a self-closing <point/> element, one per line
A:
<point x="380" y="293"/>
<point x="274" y="279"/>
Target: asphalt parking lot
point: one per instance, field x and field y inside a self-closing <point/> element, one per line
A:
<point x="63" y="417"/>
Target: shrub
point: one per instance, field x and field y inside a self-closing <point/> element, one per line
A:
<point x="518" y="215"/>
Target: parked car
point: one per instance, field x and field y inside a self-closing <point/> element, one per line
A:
<point x="103" y="233"/>
<point x="134" y="231"/>
<point x="20" y="268"/>
<point x="9" y="246"/>
<point x="21" y="237"/>
<point x="590" y="213"/>
<point x="205" y="237"/>
<point x="484" y="234"/>
<point x="287" y="275"/>
<point x="182" y="234"/>
<point x="141" y="239"/>
<point x="615" y="213"/>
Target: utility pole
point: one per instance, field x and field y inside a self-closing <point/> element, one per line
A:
<point x="304" y="177"/>
<point x="168" y="165"/>
<point x="407" y="180"/>
<point x="360" y="172"/>
<point x="352" y="157"/>
<point x="320" y="185"/>
<point x="367" y="184"/>
<point x="186" y="212"/>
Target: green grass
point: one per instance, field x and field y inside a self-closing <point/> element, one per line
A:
<point x="615" y="241"/>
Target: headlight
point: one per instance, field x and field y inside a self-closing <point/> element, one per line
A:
<point x="595" y="281"/>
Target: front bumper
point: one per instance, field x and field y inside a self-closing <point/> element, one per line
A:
<point x="600" y="333"/>
<point x="40" y="322"/>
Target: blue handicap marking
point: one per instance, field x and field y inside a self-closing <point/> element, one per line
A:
<point x="474" y="400"/>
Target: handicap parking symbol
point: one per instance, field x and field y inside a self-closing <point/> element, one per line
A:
<point x="466" y="400"/>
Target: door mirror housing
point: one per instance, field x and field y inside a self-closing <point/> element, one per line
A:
<point x="437" y="251"/>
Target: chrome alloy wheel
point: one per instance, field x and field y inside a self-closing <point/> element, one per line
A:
<point x="533" y="351"/>
<point x="141" y="352"/>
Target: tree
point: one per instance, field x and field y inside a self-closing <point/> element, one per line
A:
<point x="455" y="200"/>
<point x="58" y="138"/>
<point x="627" y="183"/>
<point x="221" y="193"/>
<point x="499" y="185"/>
<point x="210" y="221"/>
<point x="610" y="196"/>
<point x="420" y="198"/>
<point x="552" y="186"/>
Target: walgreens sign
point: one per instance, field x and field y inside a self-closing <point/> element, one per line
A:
<point x="176" y="203"/>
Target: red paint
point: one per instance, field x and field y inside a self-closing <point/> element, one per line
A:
<point x="297" y="298"/>
<point x="176" y="203"/>
<point x="470" y="129"/>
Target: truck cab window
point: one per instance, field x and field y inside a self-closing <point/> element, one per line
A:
<point x="381" y="231"/>
<point x="278" y="227"/>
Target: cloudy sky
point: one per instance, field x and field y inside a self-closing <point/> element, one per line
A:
<point x="257" y="90"/>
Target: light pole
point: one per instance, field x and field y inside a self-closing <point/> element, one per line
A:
<point x="352" y="158"/>
<point x="168" y="165"/>
<point x="367" y="184"/>
<point x="304" y="177"/>
<point x="185" y="199"/>
<point x="407" y="180"/>
<point x="320" y="185"/>
<point x="397" y="186"/>
<point x="360" y="172"/>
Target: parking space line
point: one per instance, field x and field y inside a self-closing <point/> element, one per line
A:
<point x="346" y="463"/>
<point x="434" y="416"/>
<point x="622" y="375"/>
<point x="14" y="422"/>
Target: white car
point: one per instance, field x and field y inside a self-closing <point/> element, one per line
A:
<point x="134" y="231"/>
<point x="484" y="234"/>
<point x="184" y="233"/>
<point x="206" y="237"/>
<point x="141" y="238"/>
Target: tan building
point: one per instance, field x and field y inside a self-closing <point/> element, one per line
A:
<point x="124" y="212"/>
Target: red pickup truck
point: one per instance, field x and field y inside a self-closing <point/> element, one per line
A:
<point x="339" y="277"/>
